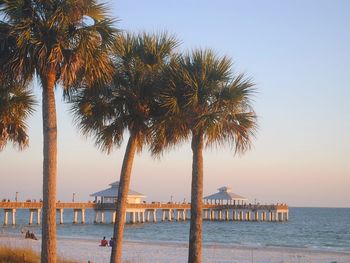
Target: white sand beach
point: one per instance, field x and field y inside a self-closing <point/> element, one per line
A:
<point x="142" y="252"/>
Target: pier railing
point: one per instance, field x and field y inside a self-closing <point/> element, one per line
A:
<point x="158" y="205"/>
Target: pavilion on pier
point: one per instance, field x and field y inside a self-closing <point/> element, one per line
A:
<point x="225" y="196"/>
<point x="110" y="195"/>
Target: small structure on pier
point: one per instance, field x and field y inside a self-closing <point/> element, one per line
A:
<point x="225" y="196"/>
<point x="110" y="195"/>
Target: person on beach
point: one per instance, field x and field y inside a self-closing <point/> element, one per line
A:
<point x="30" y="235"/>
<point x="111" y="242"/>
<point x="104" y="242"/>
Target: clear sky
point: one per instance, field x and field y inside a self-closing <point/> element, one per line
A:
<point x="297" y="52"/>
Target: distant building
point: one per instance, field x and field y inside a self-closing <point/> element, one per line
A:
<point x="110" y="195"/>
<point x="225" y="196"/>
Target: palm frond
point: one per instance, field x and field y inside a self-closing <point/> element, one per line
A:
<point x="16" y="104"/>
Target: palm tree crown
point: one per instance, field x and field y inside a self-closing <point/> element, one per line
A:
<point x="128" y="102"/>
<point x="203" y="96"/>
<point x="66" y="37"/>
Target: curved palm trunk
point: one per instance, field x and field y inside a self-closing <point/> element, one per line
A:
<point x="48" y="244"/>
<point x="116" y="254"/>
<point x="195" y="242"/>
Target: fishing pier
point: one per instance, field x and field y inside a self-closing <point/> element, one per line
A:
<point x="147" y="212"/>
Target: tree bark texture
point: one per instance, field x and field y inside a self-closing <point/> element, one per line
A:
<point x="116" y="254"/>
<point x="48" y="245"/>
<point x="195" y="240"/>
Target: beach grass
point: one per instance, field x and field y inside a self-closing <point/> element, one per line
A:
<point x="23" y="255"/>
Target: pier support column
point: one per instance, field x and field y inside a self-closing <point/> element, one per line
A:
<point x="220" y="215"/>
<point x="240" y="215"/>
<point x="287" y="216"/>
<point x="163" y="215"/>
<point x="226" y="215"/>
<point x="177" y="215"/>
<point x="272" y="216"/>
<point x="212" y="215"/>
<point x="113" y="217"/>
<point x="184" y="215"/>
<point x="189" y="214"/>
<point x="234" y="215"/>
<point x="154" y="216"/>
<point x="281" y="216"/>
<point x="13" y="217"/>
<point x="61" y="216"/>
<point x="137" y="217"/>
<point x="102" y="217"/>
<point x="264" y="216"/>
<point x="143" y="217"/>
<point x="30" y="216"/>
<point x="170" y="214"/>
<point x="205" y="216"/>
<point x="256" y="216"/>
<point x="83" y="216"/>
<point x="38" y="216"/>
<point x="133" y="217"/>
<point x="6" y="217"/>
<point x="96" y="217"/>
<point x="75" y="217"/>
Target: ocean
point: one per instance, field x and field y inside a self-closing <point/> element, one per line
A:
<point x="314" y="228"/>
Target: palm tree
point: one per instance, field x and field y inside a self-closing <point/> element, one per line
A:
<point x="204" y="101"/>
<point x="127" y="104"/>
<point x="59" y="42"/>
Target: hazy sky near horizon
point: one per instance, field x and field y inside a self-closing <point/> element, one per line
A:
<point x="297" y="53"/>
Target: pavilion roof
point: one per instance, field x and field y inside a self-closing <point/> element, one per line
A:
<point x="225" y="193"/>
<point x="113" y="191"/>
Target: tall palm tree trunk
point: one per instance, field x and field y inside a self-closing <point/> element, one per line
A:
<point x="48" y="245"/>
<point x="195" y="242"/>
<point x="116" y="254"/>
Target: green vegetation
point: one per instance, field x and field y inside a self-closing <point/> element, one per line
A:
<point x="23" y="255"/>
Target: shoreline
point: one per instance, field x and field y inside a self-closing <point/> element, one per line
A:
<point x="83" y="250"/>
<point x="204" y="245"/>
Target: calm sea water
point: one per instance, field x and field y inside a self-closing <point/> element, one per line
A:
<point x="316" y="228"/>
